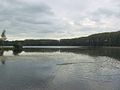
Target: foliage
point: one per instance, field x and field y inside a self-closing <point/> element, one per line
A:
<point x="101" y="39"/>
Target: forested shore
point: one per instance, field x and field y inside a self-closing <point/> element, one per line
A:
<point x="100" y="39"/>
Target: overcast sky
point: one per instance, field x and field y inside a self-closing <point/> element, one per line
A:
<point x="55" y="19"/>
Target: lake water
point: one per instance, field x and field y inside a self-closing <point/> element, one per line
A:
<point x="61" y="69"/>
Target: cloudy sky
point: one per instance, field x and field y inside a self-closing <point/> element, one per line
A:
<point x="55" y="19"/>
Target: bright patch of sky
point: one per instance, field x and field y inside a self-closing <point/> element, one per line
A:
<point x="56" y="19"/>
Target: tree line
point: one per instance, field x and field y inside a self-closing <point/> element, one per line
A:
<point x="100" y="39"/>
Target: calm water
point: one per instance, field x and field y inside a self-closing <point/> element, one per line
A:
<point x="61" y="69"/>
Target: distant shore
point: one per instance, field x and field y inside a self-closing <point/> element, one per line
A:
<point x="111" y="39"/>
<point x="57" y="47"/>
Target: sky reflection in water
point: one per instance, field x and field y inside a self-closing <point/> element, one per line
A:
<point x="65" y="69"/>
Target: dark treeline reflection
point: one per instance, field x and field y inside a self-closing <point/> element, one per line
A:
<point x="2" y="58"/>
<point x="109" y="52"/>
<point x="1" y="52"/>
<point x="41" y="49"/>
<point x="15" y="52"/>
<point x="112" y="52"/>
<point x="92" y="51"/>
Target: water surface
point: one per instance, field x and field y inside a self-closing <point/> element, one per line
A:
<point x="61" y="69"/>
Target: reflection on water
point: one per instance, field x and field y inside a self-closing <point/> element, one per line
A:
<point x="1" y="52"/>
<point x="92" y="51"/>
<point x="16" y="52"/>
<point x="61" y="69"/>
<point x="113" y="52"/>
<point x="3" y="59"/>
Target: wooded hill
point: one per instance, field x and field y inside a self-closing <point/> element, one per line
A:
<point x="101" y="39"/>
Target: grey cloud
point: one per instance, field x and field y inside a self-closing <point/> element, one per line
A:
<point x="46" y="18"/>
<point x="25" y="17"/>
<point x="106" y="12"/>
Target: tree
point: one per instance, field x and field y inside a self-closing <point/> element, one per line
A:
<point x="2" y="39"/>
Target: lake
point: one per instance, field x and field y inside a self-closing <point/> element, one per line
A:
<point x="81" y="68"/>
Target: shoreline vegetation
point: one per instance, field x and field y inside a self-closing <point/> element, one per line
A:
<point x="101" y="39"/>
